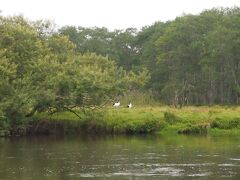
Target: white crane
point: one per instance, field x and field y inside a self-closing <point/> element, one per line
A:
<point x="116" y="104"/>
<point x="129" y="105"/>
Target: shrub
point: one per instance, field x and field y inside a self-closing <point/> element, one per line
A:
<point x="3" y="123"/>
<point x="225" y="124"/>
<point x="146" y="126"/>
<point x="234" y="123"/>
<point x="194" y="129"/>
<point x="171" y="118"/>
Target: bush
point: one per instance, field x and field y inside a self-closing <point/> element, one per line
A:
<point x="146" y="126"/>
<point x="3" y="123"/>
<point x="194" y="129"/>
<point x="234" y="123"/>
<point x="4" y="126"/>
<point x="171" y="118"/>
<point x="225" y="124"/>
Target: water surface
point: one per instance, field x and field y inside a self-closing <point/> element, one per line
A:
<point x="120" y="157"/>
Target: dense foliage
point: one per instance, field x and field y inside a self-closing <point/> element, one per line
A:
<point x="194" y="59"/>
<point x="201" y="59"/>
<point x="40" y="70"/>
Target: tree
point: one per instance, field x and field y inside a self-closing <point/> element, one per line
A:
<point x="44" y="73"/>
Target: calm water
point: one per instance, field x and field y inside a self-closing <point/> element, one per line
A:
<point x="120" y="157"/>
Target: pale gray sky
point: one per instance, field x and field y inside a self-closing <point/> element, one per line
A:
<point x="113" y="14"/>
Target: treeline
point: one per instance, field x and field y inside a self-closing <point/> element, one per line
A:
<point x="193" y="60"/>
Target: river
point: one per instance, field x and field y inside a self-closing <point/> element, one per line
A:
<point x="120" y="157"/>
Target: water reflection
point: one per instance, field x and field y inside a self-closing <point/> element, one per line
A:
<point x="119" y="157"/>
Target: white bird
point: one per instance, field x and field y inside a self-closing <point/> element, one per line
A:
<point x="116" y="104"/>
<point x="129" y="105"/>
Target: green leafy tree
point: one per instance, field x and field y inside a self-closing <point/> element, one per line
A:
<point x="43" y="72"/>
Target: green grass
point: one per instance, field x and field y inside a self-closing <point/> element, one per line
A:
<point x="224" y="132"/>
<point x="137" y="120"/>
<point x="163" y="119"/>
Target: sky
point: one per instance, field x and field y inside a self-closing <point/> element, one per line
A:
<point x="113" y="14"/>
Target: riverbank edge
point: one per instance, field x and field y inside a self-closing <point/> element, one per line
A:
<point x="44" y="128"/>
<point x="161" y="120"/>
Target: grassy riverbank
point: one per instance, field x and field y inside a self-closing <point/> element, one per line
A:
<point x="216" y="120"/>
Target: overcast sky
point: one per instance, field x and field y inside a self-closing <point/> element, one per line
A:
<point x="113" y="14"/>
